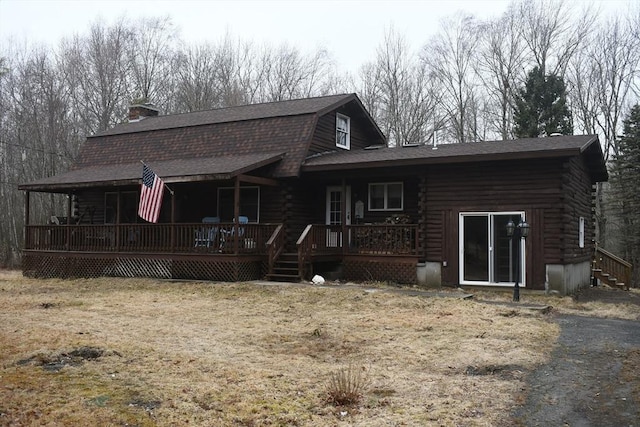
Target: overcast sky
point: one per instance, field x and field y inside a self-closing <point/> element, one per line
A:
<point x="350" y="30"/>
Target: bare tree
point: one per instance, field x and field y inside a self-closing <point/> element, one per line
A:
<point x="150" y="52"/>
<point x="550" y="32"/>
<point x="500" y="67"/>
<point x="97" y="72"/>
<point x="452" y="53"/>
<point x="38" y="139"/>
<point x="602" y="79"/>
<point x="287" y="73"/>
<point x="399" y="92"/>
<point x="235" y="61"/>
<point x="195" y="84"/>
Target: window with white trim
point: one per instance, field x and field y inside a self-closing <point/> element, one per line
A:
<point x="386" y="196"/>
<point x="343" y="131"/>
<point x="581" y="232"/>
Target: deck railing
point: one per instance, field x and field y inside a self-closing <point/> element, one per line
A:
<point x="613" y="266"/>
<point x="226" y="238"/>
<point x="383" y="239"/>
<point x="275" y="246"/>
<point x="372" y="239"/>
<point x="305" y="248"/>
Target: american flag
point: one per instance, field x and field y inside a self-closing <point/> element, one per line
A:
<point x="150" y="195"/>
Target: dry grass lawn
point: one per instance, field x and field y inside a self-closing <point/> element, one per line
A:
<point x="144" y="352"/>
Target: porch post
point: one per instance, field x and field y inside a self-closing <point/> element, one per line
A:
<point x="173" y="221"/>
<point x="27" y="203"/>
<point x="117" y="224"/>
<point x="69" y="196"/>
<point x="27" y="208"/>
<point x="236" y="215"/>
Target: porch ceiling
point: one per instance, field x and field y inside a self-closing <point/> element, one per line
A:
<point x="171" y="171"/>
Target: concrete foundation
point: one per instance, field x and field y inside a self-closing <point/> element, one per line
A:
<point x="568" y="278"/>
<point x="429" y="274"/>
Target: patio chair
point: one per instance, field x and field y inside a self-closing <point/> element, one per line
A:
<point x="208" y="235"/>
<point x="230" y="233"/>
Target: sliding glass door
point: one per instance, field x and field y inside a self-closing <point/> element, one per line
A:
<point x="487" y="255"/>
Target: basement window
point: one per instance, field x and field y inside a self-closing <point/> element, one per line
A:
<point x="386" y="196"/>
<point x="343" y="130"/>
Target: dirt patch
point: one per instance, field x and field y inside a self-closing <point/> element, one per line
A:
<point x="57" y="361"/>
<point x="503" y="371"/>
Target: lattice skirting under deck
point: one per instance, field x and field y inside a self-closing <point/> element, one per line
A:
<point x="397" y="270"/>
<point x="61" y="266"/>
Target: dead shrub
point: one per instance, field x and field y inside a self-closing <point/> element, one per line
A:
<point x="347" y="386"/>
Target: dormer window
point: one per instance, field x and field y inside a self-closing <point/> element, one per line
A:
<point x="343" y="130"/>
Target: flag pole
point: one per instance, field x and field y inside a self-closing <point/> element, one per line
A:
<point x="165" y="184"/>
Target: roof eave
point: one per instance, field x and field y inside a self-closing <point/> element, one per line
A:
<point x="65" y="187"/>
<point x="61" y="188"/>
<point x="440" y="160"/>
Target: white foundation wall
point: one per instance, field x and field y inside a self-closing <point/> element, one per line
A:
<point x="566" y="279"/>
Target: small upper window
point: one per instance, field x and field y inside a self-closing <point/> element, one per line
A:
<point x="386" y="196"/>
<point x="343" y="128"/>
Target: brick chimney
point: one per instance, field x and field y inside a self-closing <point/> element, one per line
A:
<point x="138" y="112"/>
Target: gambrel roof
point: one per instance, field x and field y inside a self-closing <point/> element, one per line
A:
<point x="275" y="132"/>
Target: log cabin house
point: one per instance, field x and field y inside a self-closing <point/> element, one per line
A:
<point x="286" y="189"/>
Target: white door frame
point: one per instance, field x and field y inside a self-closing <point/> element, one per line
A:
<point x="491" y="244"/>
<point x="334" y="238"/>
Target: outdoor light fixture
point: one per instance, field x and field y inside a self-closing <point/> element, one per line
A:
<point x="517" y="232"/>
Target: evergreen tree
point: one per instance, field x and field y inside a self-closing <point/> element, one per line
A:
<point x="541" y="107"/>
<point x="625" y="180"/>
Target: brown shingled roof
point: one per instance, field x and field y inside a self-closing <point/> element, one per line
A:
<point x="277" y="134"/>
<point x="285" y="126"/>
<point x="177" y="170"/>
<point x="555" y="146"/>
<point x="292" y="107"/>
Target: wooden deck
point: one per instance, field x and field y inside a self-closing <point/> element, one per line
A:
<point x="225" y="251"/>
<point x="223" y="238"/>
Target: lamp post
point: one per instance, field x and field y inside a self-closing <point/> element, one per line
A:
<point x="517" y="232"/>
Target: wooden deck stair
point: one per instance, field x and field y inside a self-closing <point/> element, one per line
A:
<point x="286" y="268"/>
<point x="609" y="280"/>
<point x="611" y="270"/>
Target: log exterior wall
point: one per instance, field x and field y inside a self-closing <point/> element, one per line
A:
<point x="553" y="193"/>
<point x="578" y="193"/>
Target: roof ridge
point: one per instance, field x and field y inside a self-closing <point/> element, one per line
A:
<point x="232" y="113"/>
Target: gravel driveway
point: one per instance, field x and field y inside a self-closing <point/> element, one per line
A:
<point x="593" y="378"/>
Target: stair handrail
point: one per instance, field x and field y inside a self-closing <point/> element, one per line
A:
<point x="304" y="245"/>
<point x="614" y="265"/>
<point x="274" y="246"/>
